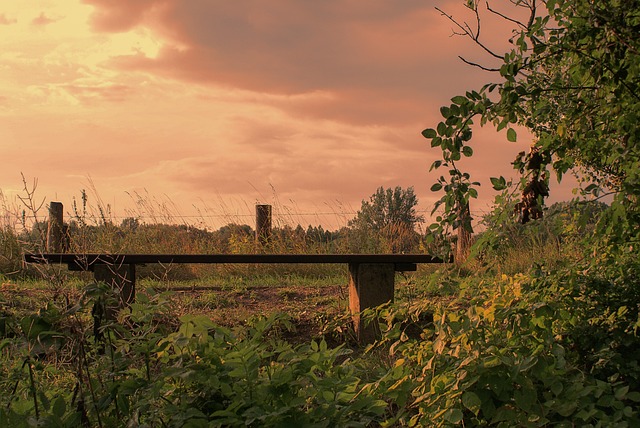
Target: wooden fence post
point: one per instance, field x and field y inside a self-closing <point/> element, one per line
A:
<point x="263" y="223"/>
<point x="55" y="228"/>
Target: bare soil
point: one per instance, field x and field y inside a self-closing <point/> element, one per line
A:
<point x="310" y="308"/>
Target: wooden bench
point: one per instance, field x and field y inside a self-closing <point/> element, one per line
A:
<point x="371" y="276"/>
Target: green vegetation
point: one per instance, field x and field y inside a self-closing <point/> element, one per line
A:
<point x="506" y="339"/>
<point x="572" y="79"/>
<point x="386" y="222"/>
<point x="538" y="327"/>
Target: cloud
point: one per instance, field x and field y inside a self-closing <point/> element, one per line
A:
<point x="7" y="21"/>
<point x="106" y="91"/>
<point x="43" y="20"/>
<point x="383" y="63"/>
<point x="313" y="101"/>
<point x="110" y="16"/>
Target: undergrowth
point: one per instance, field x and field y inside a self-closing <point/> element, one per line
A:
<point x="546" y="348"/>
<point x="534" y="330"/>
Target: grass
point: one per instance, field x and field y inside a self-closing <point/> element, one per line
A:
<point x="464" y="342"/>
<point x="228" y="300"/>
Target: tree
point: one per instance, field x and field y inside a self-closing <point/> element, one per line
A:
<point x="572" y="78"/>
<point x="388" y="207"/>
<point x="130" y="223"/>
<point x="386" y="222"/>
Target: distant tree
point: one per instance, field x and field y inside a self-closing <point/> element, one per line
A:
<point x="130" y="223"/>
<point x="226" y="231"/>
<point x="386" y="222"/>
<point x="317" y="234"/>
<point x="388" y="207"/>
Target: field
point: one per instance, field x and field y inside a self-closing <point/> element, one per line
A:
<point x="524" y="333"/>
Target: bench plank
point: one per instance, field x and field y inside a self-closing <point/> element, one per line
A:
<point x="86" y="261"/>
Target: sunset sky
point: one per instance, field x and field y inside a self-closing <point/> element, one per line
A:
<point x="207" y="107"/>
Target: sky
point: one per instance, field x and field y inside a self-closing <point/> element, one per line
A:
<point x="198" y="110"/>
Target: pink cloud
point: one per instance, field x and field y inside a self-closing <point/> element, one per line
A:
<point x="110" y="92"/>
<point x="384" y="63"/>
<point x="111" y="16"/>
<point x="42" y="20"/>
<point x="7" y="21"/>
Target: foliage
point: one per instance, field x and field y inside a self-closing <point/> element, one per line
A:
<point x="10" y="251"/>
<point x="198" y="375"/>
<point x="572" y="79"/>
<point x="388" y="207"/>
<point x="555" y="344"/>
<point x="506" y="358"/>
<point x="554" y="241"/>
<point x="389" y="215"/>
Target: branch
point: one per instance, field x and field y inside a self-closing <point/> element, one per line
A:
<point x="481" y="67"/>
<point x="515" y="21"/>
<point x="466" y="31"/>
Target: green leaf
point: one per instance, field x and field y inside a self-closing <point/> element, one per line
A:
<point x="429" y="133"/>
<point x="634" y="396"/>
<point x="491" y="361"/>
<point x="442" y="129"/>
<point x="459" y="100"/>
<point x="59" y="407"/>
<point x="436" y="187"/>
<point x="453" y="416"/>
<point x="621" y="393"/>
<point x="471" y="401"/>
<point x="539" y="48"/>
<point x="498" y="183"/>
<point x="512" y="136"/>
<point x="467" y="151"/>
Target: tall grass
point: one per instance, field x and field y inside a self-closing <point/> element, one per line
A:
<point x="556" y="240"/>
<point x="155" y="225"/>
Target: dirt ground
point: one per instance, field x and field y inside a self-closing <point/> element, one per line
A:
<point x="310" y="308"/>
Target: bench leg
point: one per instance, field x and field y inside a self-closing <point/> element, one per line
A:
<point x="123" y="279"/>
<point x="370" y="285"/>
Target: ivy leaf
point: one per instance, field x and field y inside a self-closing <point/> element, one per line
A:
<point x="512" y="136"/>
